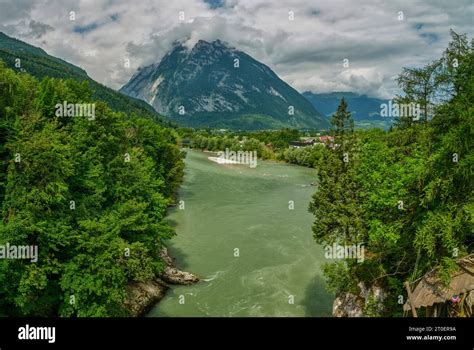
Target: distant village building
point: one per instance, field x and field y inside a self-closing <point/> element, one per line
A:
<point x="309" y="142"/>
<point x="326" y="139"/>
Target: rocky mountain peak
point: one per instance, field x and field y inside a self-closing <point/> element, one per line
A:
<point x="215" y="85"/>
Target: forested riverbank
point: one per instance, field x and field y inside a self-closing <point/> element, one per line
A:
<point x="89" y="191"/>
<point x="405" y="195"/>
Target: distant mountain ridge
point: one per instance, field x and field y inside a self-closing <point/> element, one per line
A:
<point x="37" y="62"/>
<point x="214" y="85"/>
<point x="363" y="107"/>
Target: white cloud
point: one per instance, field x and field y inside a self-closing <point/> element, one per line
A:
<point x="306" y="52"/>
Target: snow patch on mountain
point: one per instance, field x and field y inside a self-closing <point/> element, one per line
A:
<point x="273" y="92"/>
<point x="154" y="88"/>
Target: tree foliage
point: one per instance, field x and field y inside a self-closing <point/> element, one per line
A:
<point x="406" y="195"/>
<point x="91" y="194"/>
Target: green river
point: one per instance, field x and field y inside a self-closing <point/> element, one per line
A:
<point x="255" y="256"/>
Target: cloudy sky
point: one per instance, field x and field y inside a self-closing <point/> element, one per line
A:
<point x="304" y="42"/>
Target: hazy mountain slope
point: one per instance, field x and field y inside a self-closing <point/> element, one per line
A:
<point x="38" y="63"/>
<point x="365" y="109"/>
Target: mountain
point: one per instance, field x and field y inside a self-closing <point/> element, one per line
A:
<point x="38" y="63"/>
<point x="365" y="110"/>
<point x="206" y="86"/>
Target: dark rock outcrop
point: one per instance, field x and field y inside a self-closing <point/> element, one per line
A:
<point x="142" y="296"/>
<point x="369" y="302"/>
<point x="348" y="305"/>
<point x="172" y="275"/>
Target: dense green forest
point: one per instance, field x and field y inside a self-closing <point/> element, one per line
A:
<point x="90" y="193"/>
<point x="406" y="194"/>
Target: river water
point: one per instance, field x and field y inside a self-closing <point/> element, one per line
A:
<point x="255" y="256"/>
